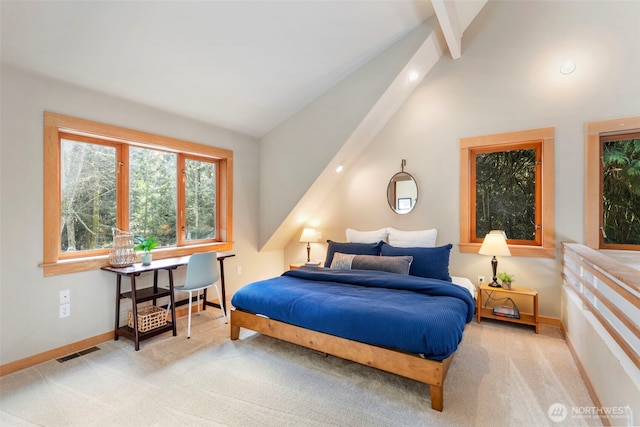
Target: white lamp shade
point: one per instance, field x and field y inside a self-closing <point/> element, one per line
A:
<point x="309" y="235"/>
<point x="495" y="244"/>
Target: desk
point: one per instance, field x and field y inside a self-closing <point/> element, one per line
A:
<point x="153" y="293"/>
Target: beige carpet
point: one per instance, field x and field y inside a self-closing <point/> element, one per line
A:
<point x="502" y="375"/>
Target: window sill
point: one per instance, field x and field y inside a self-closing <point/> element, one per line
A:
<point x="76" y="265"/>
<point x="516" y="250"/>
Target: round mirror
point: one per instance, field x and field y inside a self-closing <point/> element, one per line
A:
<point x="402" y="193"/>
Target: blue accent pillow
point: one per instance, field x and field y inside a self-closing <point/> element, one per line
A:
<point x="350" y="248"/>
<point x="427" y="262"/>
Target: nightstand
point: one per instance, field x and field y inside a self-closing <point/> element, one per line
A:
<point x="485" y="292"/>
<point x="300" y="264"/>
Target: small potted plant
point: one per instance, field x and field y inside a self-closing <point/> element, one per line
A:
<point x="506" y="279"/>
<point x="146" y="245"/>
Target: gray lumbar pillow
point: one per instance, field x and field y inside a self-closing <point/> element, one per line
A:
<point x="392" y="264"/>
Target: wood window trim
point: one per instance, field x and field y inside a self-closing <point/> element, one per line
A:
<point x="526" y="145"/>
<point x="54" y="124"/>
<point x="467" y="145"/>
<point x="593" y="170"/>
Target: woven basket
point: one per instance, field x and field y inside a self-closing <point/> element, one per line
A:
<point x="149" y="317"/>
<point x="122" y="253"/>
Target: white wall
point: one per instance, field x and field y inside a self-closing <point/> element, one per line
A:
<point x="507" y="80"/>
<point x="612" y="374"/>
<point x="29" y="302"/>
<point x="296" y="169"/>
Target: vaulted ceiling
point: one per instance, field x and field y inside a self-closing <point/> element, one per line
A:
<point x="242" y="65"/>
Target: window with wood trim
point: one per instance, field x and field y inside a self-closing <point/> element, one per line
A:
<point x="98" y="177"/>
<point x="507" y="184"/>
<point x="612" y="214"/>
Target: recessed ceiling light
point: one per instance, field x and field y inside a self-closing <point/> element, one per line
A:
<point x="567" y="67"/>
<point x="413" y="76"/>
<point x="339" y="168"/>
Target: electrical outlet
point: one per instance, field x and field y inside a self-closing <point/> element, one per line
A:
<point x="480" y="280"/>
<point x="65" y="297"/>
<point x="65" y="310"/>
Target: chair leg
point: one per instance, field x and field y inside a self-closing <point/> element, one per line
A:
<point x="189" y="321"/>
<point x="198" y="301"/>
<point x="224" y="313"/>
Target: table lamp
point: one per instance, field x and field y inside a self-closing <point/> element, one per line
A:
<point x="308" y="236"/>
<point x="495" y="244"/>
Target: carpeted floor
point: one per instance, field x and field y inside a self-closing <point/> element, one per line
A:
<point x="502" y="375"/>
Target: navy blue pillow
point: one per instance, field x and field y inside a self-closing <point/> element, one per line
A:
<point x="427" y="262"/>
<point x="350" y="248"/>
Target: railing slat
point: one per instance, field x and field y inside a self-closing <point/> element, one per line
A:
<point x="619" y="271"/>
<point x="633" y="327"/>
<point x="598" y="265"/>
<point x="624" y="293"/>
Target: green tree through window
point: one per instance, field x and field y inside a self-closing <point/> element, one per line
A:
<point x="153" y="194"/>
<point x="506" y="193"/>
<point x="621" y="191"/>
<point x="88" y="195"/>
<point x="200" y="179"/>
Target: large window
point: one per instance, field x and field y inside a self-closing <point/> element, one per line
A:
<point x="507" y="184"/>
<point x="613" y="168"/>
<point x="98" y="177"/>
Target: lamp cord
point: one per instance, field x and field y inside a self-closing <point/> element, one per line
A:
<point x="490" y="297"/>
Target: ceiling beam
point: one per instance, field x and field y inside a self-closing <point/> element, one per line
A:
<point x="448" y="19"/>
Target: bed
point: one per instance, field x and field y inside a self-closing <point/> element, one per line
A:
<point x="369" y="310"/>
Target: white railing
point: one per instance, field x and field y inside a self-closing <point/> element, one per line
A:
<point x="610" y="290"/>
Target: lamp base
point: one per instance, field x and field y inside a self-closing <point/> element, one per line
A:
<point x="494" y="280"/>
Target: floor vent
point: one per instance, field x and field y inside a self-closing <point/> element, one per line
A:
<point x="78" y="354"/>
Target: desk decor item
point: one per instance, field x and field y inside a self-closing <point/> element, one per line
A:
<point x="146" y="245"/>
<point x="122" y="254"/>
<point x="495" y="244"/>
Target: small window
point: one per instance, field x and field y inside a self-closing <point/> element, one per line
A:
<point x="507" y="192"/>
<point x="613" y="167"/>
<point x="507" y="184"/>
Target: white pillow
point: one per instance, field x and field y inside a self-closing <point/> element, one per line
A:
<point x="413" y="239"/>
<point x="355" y="236"/>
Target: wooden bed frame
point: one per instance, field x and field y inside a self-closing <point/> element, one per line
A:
<point x="408" y="365"/>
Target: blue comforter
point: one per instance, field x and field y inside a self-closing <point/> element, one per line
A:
<point x="408" y="313"/>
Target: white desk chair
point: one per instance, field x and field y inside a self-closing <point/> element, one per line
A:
<point x="202" y="272"/>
